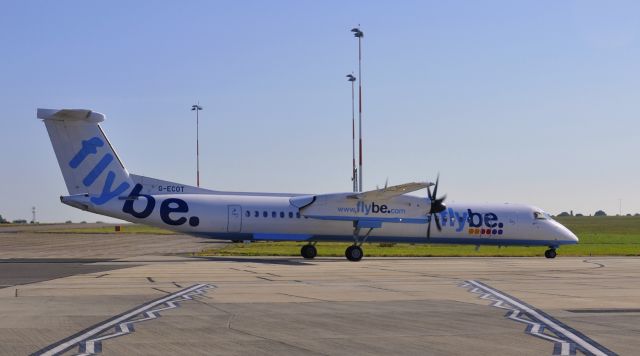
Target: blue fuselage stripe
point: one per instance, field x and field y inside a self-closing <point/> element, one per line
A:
<point x="398" y="239"/>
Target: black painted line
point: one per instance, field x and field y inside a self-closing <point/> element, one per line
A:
<point x="303" y="297"/>
<point x="150" y="280"/>
<point x="600" y="265"/>
<point x="160" y="290"/>
<point x="242" y="270"/>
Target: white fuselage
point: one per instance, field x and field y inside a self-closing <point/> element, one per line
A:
<point x="244" y="216"/>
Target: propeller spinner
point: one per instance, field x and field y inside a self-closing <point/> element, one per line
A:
<point x="437" y="206"/>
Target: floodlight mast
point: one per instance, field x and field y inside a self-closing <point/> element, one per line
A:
<point x="359" y="34"/>
<point x="197" y="108"/>
<point x="354" y="171"/>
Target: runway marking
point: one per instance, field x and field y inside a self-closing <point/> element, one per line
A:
<point x="89" y="341"/>
<point x="600" y="265"/>
<point x="567" y="341"/>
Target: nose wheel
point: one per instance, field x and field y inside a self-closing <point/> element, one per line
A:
<point x="308" y="252"/>
<point x="550" y="253"/>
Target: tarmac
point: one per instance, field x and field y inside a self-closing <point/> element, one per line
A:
<point x="152" y="301"/>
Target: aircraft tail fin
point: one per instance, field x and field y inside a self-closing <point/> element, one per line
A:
<point x="88" y="162"/>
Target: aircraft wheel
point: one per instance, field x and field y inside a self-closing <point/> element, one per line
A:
<point x="550" y="253"/>
<point x="354" y="253"/>
<point x="308" y="251"/>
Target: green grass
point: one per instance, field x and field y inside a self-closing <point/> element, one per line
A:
<point x="125" y="229"/>
<point x="599" y="236"/>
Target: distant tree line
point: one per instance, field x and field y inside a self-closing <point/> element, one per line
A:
<point x="597" y="213"/>
<point x="17" y="221"/>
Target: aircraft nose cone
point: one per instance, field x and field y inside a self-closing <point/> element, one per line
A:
<point x="566" y="234"/>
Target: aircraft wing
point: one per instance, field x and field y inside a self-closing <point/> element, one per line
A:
<point x="390" y="192"/>
<point x="367" y="209"/>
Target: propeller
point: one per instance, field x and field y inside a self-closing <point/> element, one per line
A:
<point x="436" y="207"/>
<point x="386" y="184"/>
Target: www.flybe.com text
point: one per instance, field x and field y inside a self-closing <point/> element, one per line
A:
<point x="372" y="208"/>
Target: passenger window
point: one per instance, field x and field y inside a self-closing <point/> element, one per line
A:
<point x="265" y="214"/>
<point x="256" y="214"/>
<point x="298" y="215"/>
<point x="273" y="214"/>
<point x="290" y="214"/>
<point x="247" y="213"/>
<point x="282" y="214"/>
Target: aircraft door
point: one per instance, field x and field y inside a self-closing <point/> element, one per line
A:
<point x="234" y="222"/>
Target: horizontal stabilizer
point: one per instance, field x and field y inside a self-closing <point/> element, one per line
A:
<point x="70" y="115"/>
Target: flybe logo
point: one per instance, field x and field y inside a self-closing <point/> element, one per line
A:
<point x="475" y="223"/>
<point x="90" y="147"/>
<point x="171" y="209"/>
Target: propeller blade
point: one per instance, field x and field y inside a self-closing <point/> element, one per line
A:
<point x="436" y="206"/>
<point x="438" y="223"/>
<point x="435" y="189"/>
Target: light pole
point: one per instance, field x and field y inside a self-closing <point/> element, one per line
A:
<point x="354" y="171"/>
<point x="620" y="206"/>
<point x="197" y="108"/>
<point x="359" y="34"/>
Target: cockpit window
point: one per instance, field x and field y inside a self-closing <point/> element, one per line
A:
<point x="538" y="215"/>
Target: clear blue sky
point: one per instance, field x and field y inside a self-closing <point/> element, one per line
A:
<point x="522" y="101"/>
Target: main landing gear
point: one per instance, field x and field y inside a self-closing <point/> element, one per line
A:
<point x="309" y="251"/>
<point x="353" y="253"/>
<point x="550" y="253"/>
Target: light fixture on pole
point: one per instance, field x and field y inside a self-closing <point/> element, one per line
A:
<point x="354" y="171"/>
<point x="359" y="34"/>
<point x="197" y="108"/>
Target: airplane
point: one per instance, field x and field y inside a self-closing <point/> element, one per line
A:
<point x="97" y="181"/>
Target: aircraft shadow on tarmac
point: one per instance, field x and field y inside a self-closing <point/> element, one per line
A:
<point x="293" y="261"/>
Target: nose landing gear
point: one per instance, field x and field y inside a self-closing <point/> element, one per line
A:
<point x="550" y="253"/>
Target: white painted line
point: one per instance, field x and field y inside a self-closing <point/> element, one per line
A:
<point x="106" y="326"/>
<point x="573" y="337"/>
